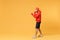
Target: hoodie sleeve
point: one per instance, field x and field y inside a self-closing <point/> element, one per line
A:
<point x="36" y="15"/>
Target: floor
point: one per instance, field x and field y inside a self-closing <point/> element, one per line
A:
<point x="27" y="37"/>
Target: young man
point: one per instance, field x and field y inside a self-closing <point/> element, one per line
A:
<point x="37" y="16"/>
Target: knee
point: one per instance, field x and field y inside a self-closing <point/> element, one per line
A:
<point x="37" y="29"/>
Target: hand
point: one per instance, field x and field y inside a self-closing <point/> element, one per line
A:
<point x="31" y="13"/>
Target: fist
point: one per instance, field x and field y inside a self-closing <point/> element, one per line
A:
<point x="31" y="13"/>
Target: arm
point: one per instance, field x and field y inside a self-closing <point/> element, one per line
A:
<point x="33" y="15"/>
<point x="38" y="14"/>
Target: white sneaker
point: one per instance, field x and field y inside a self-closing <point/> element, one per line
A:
<point x="40" y="35"/>
<point x="34" y="37"/>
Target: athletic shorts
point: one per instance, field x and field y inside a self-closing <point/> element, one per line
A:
<point x="38" y="24"/>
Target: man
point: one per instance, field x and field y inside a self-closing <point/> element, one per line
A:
<point x="37" y="16"/>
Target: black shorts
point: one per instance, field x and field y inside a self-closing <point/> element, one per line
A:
<point x="38" y="24"/>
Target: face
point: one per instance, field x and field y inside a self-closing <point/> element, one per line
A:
<point x="36" y="10"/>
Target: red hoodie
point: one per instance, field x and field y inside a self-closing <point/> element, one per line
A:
<point x="37" y="16"/>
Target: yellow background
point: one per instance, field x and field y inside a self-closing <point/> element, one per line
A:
<point x="15" y="16"/>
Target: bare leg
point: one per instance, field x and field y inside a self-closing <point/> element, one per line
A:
<point x="36" y="32"/>
<point x="40" y="33"/>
